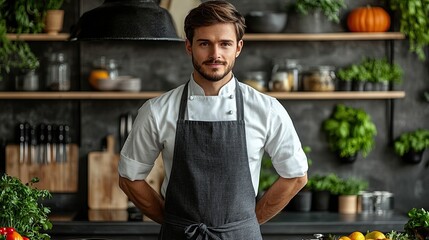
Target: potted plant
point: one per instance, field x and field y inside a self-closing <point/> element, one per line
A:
<point x="54" y="16"/>
<point x="411" y="145"/>
<point x="413" y="23"/>
<point x="322" y="187"/>
<point x="17" y="55"/>
<point x="418" y="223"/>
<point x="347" y="194"/>
<point x="21" y="209"/>
<point x="350" y="131"/>
<point x="315" y="16"/>
<point x="346" y="76"/>
<point x="382" y="73"/>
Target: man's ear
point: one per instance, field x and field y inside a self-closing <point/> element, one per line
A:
<point x="188" y="46"/>
<point x="239" y="48"/>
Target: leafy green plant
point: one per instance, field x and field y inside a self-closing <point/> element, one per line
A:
<point x="53" y="4"/>
<point x="330" y="8"/>
<point x="417" y="217"/>
<point x="330" y="183"/>
<point x="20" y="207"/>
<point x="14" y="18"/>
<point x="267" y="176"/>
<point x="394" y="235"/>
<point x="414" y="23"/>
<point x="382" y="70"/>
<point x="416" y="141"/>
<point x="349" y="131"/>
<point x="352" y="186"/>
<point x="349" y="73"/>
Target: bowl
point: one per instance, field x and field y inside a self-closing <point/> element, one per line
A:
<point x="106" y="84"/>
<point x="265" y="22"/>
<point x="129" y="84"/>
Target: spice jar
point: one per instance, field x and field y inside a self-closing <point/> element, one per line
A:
<point x="58" y="73"/>
<point x="284" y="76"/>
<point x="319" y="79"/>
<point x="257" y="80"/>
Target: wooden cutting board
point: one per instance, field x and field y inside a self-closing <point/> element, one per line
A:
<point x="103" y="178"/>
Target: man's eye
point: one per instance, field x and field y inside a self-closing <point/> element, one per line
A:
<point x="204" y="44"/>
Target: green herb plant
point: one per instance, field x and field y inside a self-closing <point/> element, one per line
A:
<point x="417" y="217"/>
<point x="267" y="176"/>
<point x="330" y="182"/>
<point x="416" y="141"/>
<point x="352" y="186"/>
<point x="414" y="23"/>
<point x="330" y="8"/>
<point x="53" y="4"/>
<point x="349" y="131"/>
<point x="21" y="209"/>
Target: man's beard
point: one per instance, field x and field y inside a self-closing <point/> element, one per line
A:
<point x="212" y="76"/>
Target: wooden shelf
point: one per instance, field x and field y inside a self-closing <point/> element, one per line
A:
<point x="324" y="36"/>
<point x="38" y="37"/>
<point x="248" y="37"/>
<point x="148" y="95"/>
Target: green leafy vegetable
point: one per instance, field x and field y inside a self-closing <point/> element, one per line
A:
<point x="20" y="207"/>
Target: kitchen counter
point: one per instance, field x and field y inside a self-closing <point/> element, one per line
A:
<point x="294" y="225"/>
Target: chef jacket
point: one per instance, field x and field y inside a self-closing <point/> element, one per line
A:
<point x="268" y="129"/>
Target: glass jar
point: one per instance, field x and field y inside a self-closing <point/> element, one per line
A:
<point x="58" y="73"/>
<point x="27" y="80"/>
<point x="257" y="80"/>
<point x="284" y="77"/>
<point x="108" y="64"/>
<point x="319" y="79"/>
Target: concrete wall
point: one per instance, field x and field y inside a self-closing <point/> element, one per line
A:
<point x="162" y="66"/>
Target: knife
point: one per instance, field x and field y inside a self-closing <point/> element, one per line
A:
<point x="27" y="128"/>
<point x="48" y="143"/>
<point x="60" y="144"/>
<point x="42" y="143"/>
<point x="33" y="146"/>
<point x="21" y="139"/>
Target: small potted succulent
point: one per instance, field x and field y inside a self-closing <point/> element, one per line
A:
<point x="350" y="131"/>
<point x="315" y="16"/>
<point x="411" y="145"/>
<point x="54" y="16"/>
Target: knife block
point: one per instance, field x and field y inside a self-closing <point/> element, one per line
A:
<point x="55" y="177"/>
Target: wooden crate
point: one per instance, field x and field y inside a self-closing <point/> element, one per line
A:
<point x="55" y="177"/>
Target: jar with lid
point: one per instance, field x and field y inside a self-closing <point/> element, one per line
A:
<point x="26" y="80"/>
<point x="284" y="77"/>
<point x="257" y="80"/>
<point x="319" y="79"/>
<point x="58" y="73"/>
<point x="108" y="64"/>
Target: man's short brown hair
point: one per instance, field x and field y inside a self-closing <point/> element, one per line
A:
<point x="213" y="12"/>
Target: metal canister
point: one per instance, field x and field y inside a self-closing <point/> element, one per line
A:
<point x="365" y="202"/>
<point x="383" y="202"/>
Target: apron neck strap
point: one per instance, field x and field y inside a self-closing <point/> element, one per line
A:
<point x="238" y="101"/>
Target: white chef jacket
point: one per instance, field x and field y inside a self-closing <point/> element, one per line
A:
<point x="268" y="128"/>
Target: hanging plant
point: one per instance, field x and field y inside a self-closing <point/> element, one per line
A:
<point x="414" y="23"/>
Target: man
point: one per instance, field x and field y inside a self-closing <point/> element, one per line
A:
<point x="212" y="132"/>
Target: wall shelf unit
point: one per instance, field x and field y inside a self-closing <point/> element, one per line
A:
<point x="248" y="37"/>
<point x="148" y="95"/>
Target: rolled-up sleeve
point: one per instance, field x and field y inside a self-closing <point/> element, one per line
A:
<point x="283" y="144"/>
<point x="142" y="146"/>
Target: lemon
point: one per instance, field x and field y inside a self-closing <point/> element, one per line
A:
<point x="357" y="236"/>
<point x="344" y="238"/>
<point x="377" y="235"/>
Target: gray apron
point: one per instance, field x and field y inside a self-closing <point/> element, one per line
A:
<point x="210" y="193"/>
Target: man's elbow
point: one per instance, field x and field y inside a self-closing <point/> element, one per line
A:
<point x="302" y="181"/>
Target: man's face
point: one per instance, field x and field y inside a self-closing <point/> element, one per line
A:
<point x="213" y="50"/>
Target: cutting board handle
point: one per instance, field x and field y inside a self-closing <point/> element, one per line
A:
<point x="110" y="142"/>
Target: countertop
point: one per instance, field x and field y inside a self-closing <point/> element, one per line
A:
<point x="109" y="223"/>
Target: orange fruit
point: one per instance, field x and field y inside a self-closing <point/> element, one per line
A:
<point x="95" y="75"/>
<point x="376" y="235"/>
<point x="357" y="236"/>
<point x="344" y="238"/>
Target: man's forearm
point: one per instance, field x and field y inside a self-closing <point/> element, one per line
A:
<point x="277" y="197"/>
<point x="144" y="197"/>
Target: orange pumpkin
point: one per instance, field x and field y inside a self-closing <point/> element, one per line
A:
<point x="368" y="19"/>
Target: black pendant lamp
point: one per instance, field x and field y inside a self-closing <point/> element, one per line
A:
<point x="126" y="20"/>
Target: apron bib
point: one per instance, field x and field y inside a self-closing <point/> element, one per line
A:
<point x="210" y="193"/>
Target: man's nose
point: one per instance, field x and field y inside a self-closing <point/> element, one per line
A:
<point x="215" y="52"/>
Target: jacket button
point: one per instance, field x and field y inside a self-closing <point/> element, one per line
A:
<point x="191" y="98"/>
